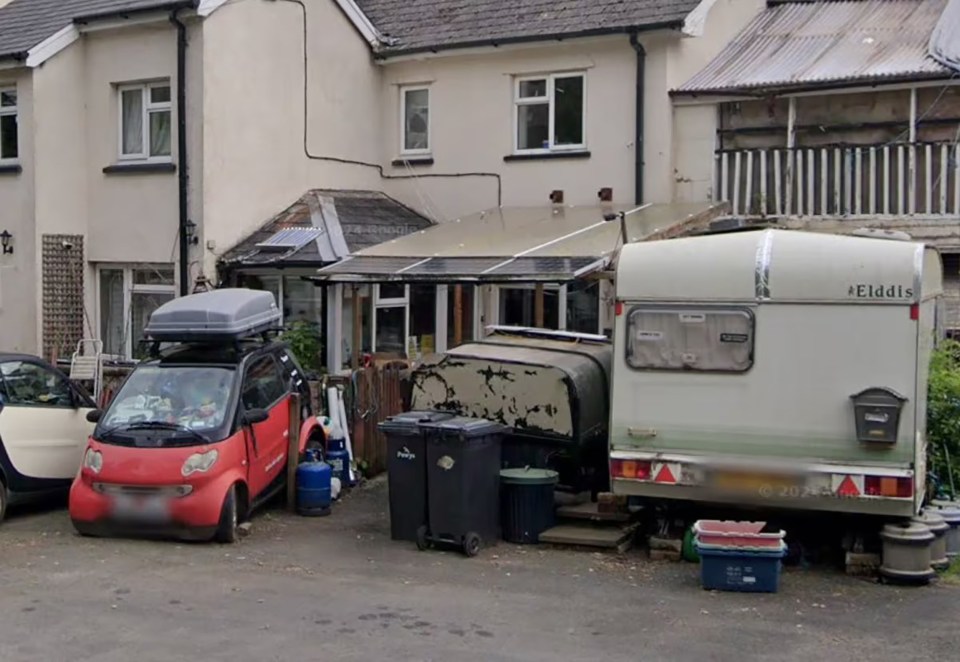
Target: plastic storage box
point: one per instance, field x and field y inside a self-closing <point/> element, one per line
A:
<point x="737" y="570"/>
<point x="720" y="533"/>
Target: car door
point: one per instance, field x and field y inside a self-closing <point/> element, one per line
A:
<point x="43" y="424"/>
<point x="264" y="387"/>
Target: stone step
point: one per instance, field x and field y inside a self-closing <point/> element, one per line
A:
<point x="591" y="511"/>
<point x="619" y="538"/>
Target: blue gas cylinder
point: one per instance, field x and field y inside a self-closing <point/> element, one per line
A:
<point x="313" y="486"/>
<point x="338" y="457"/>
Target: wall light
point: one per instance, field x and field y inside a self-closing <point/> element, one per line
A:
<point x="5" y="239"/>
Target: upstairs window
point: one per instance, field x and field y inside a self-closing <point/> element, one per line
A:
<point x="550" y="112"/>
<point x="145" y="121"/>
<point x="9" y="140"/>
<point x="415" y="120"/>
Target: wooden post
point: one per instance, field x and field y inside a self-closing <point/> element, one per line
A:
<point x="293" y="451"/>
<point x="457" y="315"/>
<point x="538" y="306"/>
<point x="357" y="331"/>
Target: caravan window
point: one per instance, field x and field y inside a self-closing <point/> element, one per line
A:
<point x="690" y="339"/>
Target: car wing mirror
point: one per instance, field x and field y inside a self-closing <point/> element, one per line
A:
<point x="94" y="415"/>
<point x="254" y="416"/>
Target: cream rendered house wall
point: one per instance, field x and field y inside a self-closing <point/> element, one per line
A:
<point x="18" y="290"/>
<point x="254" y="162"/>
<point x="695" y="124"/>
<point x="125" y="219"/>
<point x="472" y="125"/>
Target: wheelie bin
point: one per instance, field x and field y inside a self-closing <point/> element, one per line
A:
<point x="463" y="483"/>
<point x="407" y="471"/>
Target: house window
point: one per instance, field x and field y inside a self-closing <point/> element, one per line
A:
<point x="127" y="298"/>
<point x="145" y="121"/>
<point x="713" y="340"/>
<point x="583" y="307"/>
<point x="415" y="120"/>
<point x="9" y="140"/>
<point x="550" y="112"/>
<point x="391" y="319"/>
<point x="518" y="306"/>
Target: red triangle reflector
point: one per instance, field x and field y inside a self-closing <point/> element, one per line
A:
<point x="665" y="475"/>
<point x="848" y="488"/>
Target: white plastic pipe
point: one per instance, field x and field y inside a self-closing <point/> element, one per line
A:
<point x="346" y="435"/>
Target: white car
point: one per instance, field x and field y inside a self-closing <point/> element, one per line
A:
<point x="43" y="429"/>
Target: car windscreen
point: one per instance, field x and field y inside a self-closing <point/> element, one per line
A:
<point x="185" y="399"/>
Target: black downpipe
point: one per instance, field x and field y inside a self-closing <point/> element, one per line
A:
<point x="182" y="172"/>
<point x="641" y="98"/>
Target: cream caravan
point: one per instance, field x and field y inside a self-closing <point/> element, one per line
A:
<point x="774" y="368"/>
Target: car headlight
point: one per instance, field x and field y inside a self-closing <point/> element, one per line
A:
<point x="199" y="462"/>
<point x="93" y="460"/>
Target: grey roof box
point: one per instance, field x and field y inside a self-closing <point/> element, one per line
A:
<point x="222" y="315"/>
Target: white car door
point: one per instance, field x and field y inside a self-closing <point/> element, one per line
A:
<point x="43" y="424"/>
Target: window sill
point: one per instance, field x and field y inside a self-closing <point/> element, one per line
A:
<point x="412" y="161"/>
<point x="548" y="156"/>
<point x="10" y="169"/>
<point x="139" y="168"/>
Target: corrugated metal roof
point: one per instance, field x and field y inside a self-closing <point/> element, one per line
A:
<point x="809" y="44"/>
<point x="463" y="269"/>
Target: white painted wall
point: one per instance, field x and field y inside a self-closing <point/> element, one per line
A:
<point x="253" y="108"/>
<point x="18" y="291"/>
<point x="690" y="145"/>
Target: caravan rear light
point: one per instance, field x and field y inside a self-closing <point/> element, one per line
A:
<point x="915" y="312"/>
<point x="618" y="308"/>
<point x="889" y="486"/>
<point x="632" y="469"/>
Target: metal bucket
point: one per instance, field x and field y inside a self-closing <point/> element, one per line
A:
<point x="906" y="552"/>
<point x="950" y="512"/>
<point x="931" y="519"/>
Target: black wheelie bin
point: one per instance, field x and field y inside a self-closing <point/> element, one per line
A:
<point x="463" y="483"/>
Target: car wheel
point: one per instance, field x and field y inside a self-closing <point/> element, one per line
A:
<point x="229" y="520"/>
<point x="3" y="500"/>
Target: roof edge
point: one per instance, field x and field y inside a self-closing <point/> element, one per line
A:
<point x="527" y="39"/>
<point x="119" y="13"/>
<point x="827" y="85"/>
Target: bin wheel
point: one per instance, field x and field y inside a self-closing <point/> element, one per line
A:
<point x="422" y="542"/>
<point x="471" y="544"/>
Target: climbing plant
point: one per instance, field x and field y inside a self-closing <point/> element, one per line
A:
<point x="943" y="415"/>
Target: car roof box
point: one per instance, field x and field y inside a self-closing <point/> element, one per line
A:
<point x="228" y="314"/>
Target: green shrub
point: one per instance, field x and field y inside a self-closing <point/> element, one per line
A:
<point x="303" y="338"/>
<point x="943" y="414"/>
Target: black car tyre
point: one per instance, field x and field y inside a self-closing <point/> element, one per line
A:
<point x="3" y="500"/>
<point x="229" y="520"/>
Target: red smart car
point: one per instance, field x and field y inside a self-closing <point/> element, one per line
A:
<point x="196" y="437"/>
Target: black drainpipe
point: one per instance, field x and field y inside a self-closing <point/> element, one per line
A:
<point x="639" y="140"/>
<point x="182" y="173"/>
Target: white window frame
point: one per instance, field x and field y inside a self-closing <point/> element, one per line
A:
<point x="129" y="289"/>
<point x="549" y="99"/>
<point x="11" y="110"/>
<point x="148" y="107"/>
<point x="403" y="121"/>
<point x="392" y="302"/>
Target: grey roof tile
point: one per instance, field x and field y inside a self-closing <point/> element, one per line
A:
<point x="26" y="23"/>
<point x="423" y="25"/>
<point x="366" y="218"/>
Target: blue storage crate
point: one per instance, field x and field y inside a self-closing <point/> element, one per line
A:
<point x="738" y="570"/>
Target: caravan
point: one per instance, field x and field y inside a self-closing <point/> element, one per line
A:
<point x="774" y="368"/>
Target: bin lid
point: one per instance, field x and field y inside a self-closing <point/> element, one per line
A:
<point x="463" y="426"/>
<point x="930" y="518"/>
<point x="408" y="423"/>
<point x="528" y="476"/>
